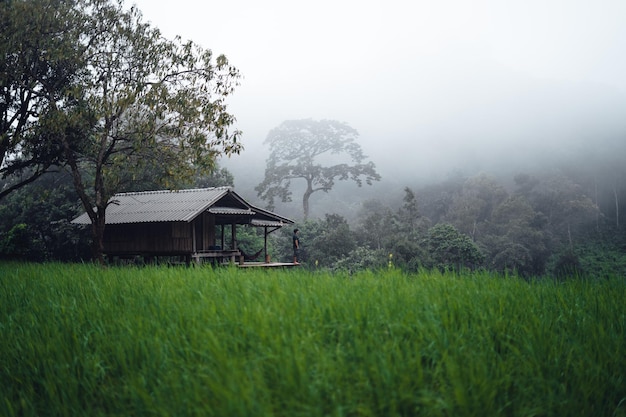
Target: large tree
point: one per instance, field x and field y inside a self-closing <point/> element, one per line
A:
<point x="39" y="59"/>
<point x="317" y="152"/>
<point x="140" y="98"/>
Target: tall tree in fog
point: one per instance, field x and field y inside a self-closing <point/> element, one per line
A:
<point x="317" y="152"/>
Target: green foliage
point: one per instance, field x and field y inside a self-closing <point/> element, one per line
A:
<point x="220" y="177"/>
<point x="401" y="234"/>
<point x="161" y="98"/>
<point x="362" y="259"/>
<point x="250" y="240"/>
<point x="450" y="249"/>
<point x="325" y="243"/>
<point x="38" y="62"/>
<point x="83" y="340"/>
<point x="409" y="212"/>
<point x="473" y="206"/>
<point x="35" y="222"/>
<point x="597" y="259"/>
<point x="567" y="210"/>
<point x="16" y="243"/>
<point x="409" y="253"/>
<point x="515" y="240"/>
<point x="334" y="242"/>
<point x="296" y="150"/>
<point x="567" y="265"/>
<point x="375" y="225"/>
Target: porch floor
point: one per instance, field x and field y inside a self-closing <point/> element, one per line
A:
<point x="267" y="265"/>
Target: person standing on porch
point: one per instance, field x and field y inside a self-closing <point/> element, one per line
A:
<point x="296" y="246"/>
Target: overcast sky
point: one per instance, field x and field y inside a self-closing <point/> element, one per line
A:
<point x="420" y="78"/>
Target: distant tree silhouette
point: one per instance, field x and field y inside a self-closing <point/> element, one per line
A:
<point x="297" y="151"/>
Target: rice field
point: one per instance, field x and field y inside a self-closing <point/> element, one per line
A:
<point x="79" y="340"/>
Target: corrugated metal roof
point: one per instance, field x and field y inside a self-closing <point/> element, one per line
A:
<point x="159" y="206"/>
<point x="182" y="206"/>
<point x="266" y="223"/>
<point x="262" y="214"/>
<point x="230" y="210"/>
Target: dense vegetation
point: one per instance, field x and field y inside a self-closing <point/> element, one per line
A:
<point x="82" y="340"/>
<point x="542" y="225"/>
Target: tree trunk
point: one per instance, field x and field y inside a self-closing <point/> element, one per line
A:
<point x="569" y="238"/>
<point x="616" y="207"/>
<point x="305" y="199"/>
<point x="97" y="214"/>
<point x="97" y="235"/>
<point x="595" y="186"/>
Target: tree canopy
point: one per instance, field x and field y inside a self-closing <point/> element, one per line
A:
<point x="318" y="152"/>
<point x="39" y="60"/>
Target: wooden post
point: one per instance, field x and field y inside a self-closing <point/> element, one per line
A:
<point x="267" y="257"/>
<point x="193" y="237"/>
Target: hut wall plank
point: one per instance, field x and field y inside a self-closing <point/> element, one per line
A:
<point x="154" y="238"/>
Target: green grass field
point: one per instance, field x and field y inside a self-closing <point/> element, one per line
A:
<point x="78" y="340"/>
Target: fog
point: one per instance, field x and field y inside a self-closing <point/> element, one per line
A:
<point x="433" y="87"/>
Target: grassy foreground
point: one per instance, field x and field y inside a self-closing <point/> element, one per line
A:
<point x="77" y="340"/>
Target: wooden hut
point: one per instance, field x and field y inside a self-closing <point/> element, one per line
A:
<point x="192" y="224"/>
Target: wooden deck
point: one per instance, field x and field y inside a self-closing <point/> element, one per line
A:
<point x="219" y="256"/>
<point x="268" y="265"/>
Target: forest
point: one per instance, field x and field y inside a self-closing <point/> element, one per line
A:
<point x="546" y="214"/>
<point x="555" y="224"/>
